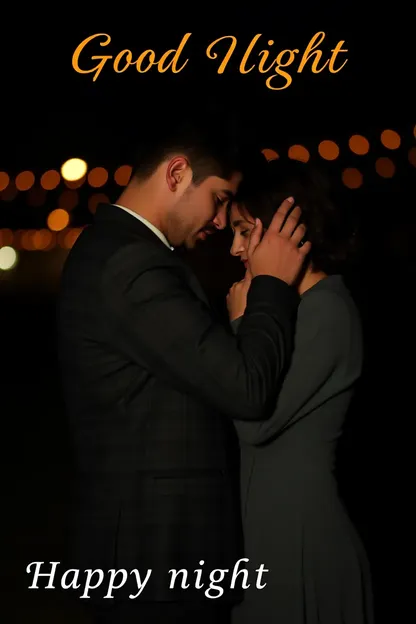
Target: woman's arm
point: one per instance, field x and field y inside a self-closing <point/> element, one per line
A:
<point x="322" y="326"/>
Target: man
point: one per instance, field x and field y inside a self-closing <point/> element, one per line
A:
<point x="152" y="380"/>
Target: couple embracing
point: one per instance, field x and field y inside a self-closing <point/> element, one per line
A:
<point x="160" y="393"/>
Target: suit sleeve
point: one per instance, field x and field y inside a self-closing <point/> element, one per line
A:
<point x="157" y="321"/>
<point x="322" y="319"/>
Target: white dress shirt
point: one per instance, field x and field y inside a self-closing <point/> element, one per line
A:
<point x="147" y="224"/>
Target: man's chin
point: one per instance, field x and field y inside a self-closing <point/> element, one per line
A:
<point x="196" y="239"/>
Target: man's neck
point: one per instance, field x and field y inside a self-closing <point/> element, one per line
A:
<point x="141" y="203"/>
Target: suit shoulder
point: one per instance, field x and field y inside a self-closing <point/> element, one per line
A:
<point x="135" y="258"/>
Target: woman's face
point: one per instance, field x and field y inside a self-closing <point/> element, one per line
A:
<point x="241" y="224"/>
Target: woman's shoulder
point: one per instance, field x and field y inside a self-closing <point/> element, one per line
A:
<point x="329" y="304"/>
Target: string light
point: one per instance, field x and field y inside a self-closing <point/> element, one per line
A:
<point x="270" y="154"/>
<point x="385" y="167"/>
<point x="352" y="178"/>
<point x="359" y="144"/>
<point x="74" y="169"/>
<point x="298" y="152"/>
<point x="390" y="139"/>
<point x="74" y="173"/>
<point x="328" y="150"/>
<point x="8" y="258"/>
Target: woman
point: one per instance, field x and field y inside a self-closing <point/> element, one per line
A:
<point x="294" y="521"/>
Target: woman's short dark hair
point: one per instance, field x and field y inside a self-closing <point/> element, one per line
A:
<point x="330" y="228"/>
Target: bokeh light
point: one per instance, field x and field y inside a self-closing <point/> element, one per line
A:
<point x="352" y="178"/>
<point x="298" y="152"/>
<point x="8" y="258"/>
<point x="4" y="180"/>
<point x="385" y="167"/>
<point x="24" y="181"/>
<point x="50" y="180"/>
<point x="328" y="150"/>
<point x="122" y="175"/>
<point x="390" y="139"/>
<point x="412" y="156"/>
<point x="58" y="220"/>
<point x="10" y="192"/>
<point x="270" y="154"/>
<point x="359" y="144"/>
<point x="6" y="238"/>
<point x="97" y="177"/>
<point x="74" y="169"/>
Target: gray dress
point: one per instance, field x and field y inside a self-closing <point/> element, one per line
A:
<point x="294" y="521"/>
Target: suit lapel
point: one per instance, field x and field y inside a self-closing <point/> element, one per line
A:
<point x="192" y="280"/>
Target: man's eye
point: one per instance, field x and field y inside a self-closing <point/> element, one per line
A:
<point x="245" y="233"/>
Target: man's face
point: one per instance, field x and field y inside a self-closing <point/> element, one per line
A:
<point x="202" y="210"/>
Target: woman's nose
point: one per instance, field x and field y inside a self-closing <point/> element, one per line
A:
<point x="236" y="247"/>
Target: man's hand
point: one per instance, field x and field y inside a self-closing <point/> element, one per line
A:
<point x="237" y="297"/>
<point x="278" y="253"/>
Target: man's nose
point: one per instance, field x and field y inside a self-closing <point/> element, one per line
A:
<point x="220" y="220"/>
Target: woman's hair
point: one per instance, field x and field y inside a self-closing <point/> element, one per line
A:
<point x="330" y="228"/>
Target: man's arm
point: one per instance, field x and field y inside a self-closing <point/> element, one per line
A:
<point x="323" y="320"/>
<point x="157" y="321"/>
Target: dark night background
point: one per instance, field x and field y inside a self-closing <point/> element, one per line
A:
<point x="50" y="113"/>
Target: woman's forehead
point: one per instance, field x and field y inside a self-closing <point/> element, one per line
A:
<point x="239" y="215"/>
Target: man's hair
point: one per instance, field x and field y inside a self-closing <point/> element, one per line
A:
<point x="331" y="226"/>
<point x="211" y="143"/>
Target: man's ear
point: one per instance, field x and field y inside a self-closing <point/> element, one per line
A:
<point x="177" y="171"/>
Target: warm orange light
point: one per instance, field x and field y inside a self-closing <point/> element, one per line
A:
<point x="390" y="139"/>
<point x="70" y="237"/>
<point x="50" y="180"/>
<point x="359" y="144"/>
<point x="269" y="154"/>
<point x="4" y="180"/>
<point x="385" y="167"/>
<point x="25" y="240"/>
<point x="24" y="180"/>
<point x="352" y="178"/>
<point x="42" y="239"/>
<point x="412" y="156"/>
<point x="328" y="150"/>
<point x="58" y="220"/>
<point x="97" y="177"/>
<point x="6" y="238"/>
<point x="75" y="184"/>
<point x="298" y="152"/>
<point x="122" y="175"/>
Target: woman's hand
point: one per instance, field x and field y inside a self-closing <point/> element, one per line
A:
<point x="237" y="297"/>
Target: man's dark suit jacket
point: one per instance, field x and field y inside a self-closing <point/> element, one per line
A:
<point x="151" y="382"/>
